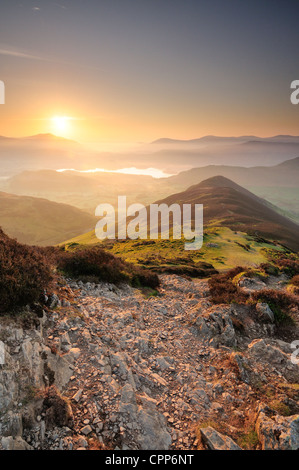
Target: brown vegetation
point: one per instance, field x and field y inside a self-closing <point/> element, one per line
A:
<point x="282" y="302"/>
<point x="24" y="274"/>
<point x="286" y="262"/>
<point x="104" y="266"/>
<point x="223" y="291"/>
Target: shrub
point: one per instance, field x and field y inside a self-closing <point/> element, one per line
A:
<point x="295" y="281"/>
<point x="270" y="269"/>
<point x="143" y="278"/>
<point x="289" y="266"/>
<point x="104" y="266"/>
<point x="57" y="409"/>
<point x="280" y="407"/>
<point x="249" y="440"/>
<point x="224" y="291"/>
<point x="92" y="261"/>
<point x="198" y="270"/>
<point x="286" y="262"/>
<point x="293" y="286"/>
<point x="24" y="274"/>
<point x="26" y="271"/>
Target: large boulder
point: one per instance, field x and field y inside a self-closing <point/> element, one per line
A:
<point x="17" y="443"/>
<point x="251" y="284"/>
<point x="154" y="434"/>
<point x="150" y="425"/>
<point x="277" y="432"/>
<point x="277" y="355"/>
<point x="246" y="372"/>
<point x="216" y="327"/>
<point x="265" y="312"/>
<point x="214" y="440"/>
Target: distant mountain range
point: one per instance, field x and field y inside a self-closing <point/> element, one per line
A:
<point x="244" y="151"/>
<point x="283" y="174"/>
<point x="46" y="151"/>
<point x="48" y="138"/>
<point x="277" y="184"/>
<point x="83" y="190"/>
<point x="36" y="152"/>
<point x="212" y="139"/>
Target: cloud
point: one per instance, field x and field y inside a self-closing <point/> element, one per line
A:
<point x="20" y="54"/>
<point x="60" y="6"/>
<point x="8" y="51"/>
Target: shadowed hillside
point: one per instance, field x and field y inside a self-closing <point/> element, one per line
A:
<point x="277" y="184"/>
<point x="230" y="205"/>
<point x="38" y="221"/>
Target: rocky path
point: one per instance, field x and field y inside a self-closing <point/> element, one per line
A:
<point x="138" y="379"/>
<point x="171" y="371"/>
<point x="149" y="371"/>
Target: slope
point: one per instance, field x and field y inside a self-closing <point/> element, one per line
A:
<point x="37" y="221"/>
<point x="229" y="205"/>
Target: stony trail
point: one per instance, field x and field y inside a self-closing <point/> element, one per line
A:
<point x="170" y="371"/>
<point x="139" y="379"/>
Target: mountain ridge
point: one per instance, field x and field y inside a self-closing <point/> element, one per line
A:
<point x="225" y="203"/>
<point x="48" y="136"/>
<point x="229" y="139"/>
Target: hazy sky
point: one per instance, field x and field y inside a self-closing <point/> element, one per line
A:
<point x="137" y="70"/>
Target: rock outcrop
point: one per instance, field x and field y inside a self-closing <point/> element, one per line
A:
<point x="276" y="432"/>
<point x="214" y="440"/>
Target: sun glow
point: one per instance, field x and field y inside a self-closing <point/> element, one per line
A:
<point x="61" y="125"/>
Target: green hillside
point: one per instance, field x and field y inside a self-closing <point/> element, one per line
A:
<point x="222" y="247"/>
<point x="238" y="227"/>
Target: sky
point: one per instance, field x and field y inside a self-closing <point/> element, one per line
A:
<point x="139" y="70"/>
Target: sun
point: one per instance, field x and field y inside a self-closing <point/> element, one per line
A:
<point x="61" y="125"/>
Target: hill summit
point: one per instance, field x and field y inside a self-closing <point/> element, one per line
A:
<point x="230" y="205"/>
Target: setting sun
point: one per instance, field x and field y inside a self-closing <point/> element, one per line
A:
<point x="61" y="124"/>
